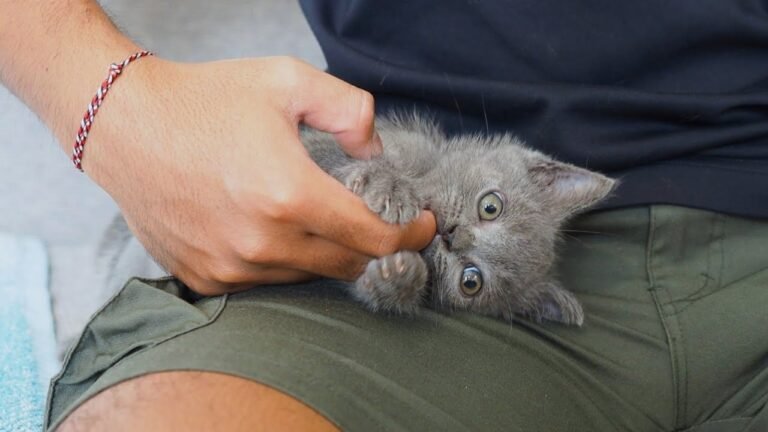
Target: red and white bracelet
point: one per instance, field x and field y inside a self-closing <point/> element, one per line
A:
<point x="85" y="124"/>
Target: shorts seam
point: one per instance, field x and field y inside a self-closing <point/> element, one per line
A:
<point x="656" y="290"/>
<point x="693" y="428"/>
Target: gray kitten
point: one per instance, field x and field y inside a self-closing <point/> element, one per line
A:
<point x="498" y="205"/>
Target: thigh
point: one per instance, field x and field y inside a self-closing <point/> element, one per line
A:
<point x="431" y="371"/>
<point x="193" y="401"/>
<point x="371" y="372"/>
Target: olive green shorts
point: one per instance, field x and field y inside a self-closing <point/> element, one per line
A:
<point x="675" y="338"/>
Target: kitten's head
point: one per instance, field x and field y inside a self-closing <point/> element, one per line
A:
<point x="499" y="207"/>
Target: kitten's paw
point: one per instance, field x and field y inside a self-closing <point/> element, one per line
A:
<point x="392" y="198"/>
<point x="394" y="283"/>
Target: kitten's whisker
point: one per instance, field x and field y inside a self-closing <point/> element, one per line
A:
<point x="485" y="114"/>
<point x="585" y="232"/>
<point x="574" y="238"/>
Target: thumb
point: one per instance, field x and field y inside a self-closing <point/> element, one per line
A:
<point x="331" y="105"/>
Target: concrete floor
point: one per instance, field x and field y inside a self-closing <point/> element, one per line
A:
<point x="40" y="192"/>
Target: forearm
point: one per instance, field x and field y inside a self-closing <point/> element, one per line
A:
<point x="53" y="56"/>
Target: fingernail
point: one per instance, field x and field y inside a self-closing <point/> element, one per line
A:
<point x="376" y="146"/>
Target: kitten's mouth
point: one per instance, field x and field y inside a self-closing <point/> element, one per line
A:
<point x="439" y="239"/>
<point x="436" y="245"/>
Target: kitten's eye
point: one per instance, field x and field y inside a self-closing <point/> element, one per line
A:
<point x="490" y="206"/>
<point x="471" y="280"/>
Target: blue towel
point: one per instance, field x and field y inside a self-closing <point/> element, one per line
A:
<point x="27" y="342"/>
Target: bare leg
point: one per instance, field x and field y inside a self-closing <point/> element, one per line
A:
<point x="193" y="401"/>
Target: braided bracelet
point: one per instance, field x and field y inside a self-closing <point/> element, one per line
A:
<point x="85" y="124"/>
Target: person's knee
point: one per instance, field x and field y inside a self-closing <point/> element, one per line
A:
<point x="187" y="400"/>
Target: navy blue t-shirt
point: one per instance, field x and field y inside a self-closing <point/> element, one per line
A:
<point x="669" y="96"/>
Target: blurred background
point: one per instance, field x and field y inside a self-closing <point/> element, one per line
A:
<point x="42" y="195"/>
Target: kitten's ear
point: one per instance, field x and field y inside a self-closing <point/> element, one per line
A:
<point x="566" y="187"/>
<point x="558" y="305"/>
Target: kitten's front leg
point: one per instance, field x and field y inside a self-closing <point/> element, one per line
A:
<point x="386" y="193"/>
<point x="394" y="283"/>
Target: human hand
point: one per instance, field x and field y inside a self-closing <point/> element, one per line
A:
<point x="206" y="165"/>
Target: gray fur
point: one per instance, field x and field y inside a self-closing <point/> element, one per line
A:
<point x="422" y="168"/>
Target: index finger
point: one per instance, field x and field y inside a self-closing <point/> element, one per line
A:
<point x="342" y="217"/>
<point x="329" y="104"/>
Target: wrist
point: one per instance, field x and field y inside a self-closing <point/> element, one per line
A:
<point x="126" y="121"/>
<point x="115" y="72"/>
<point x="62" y="103"/>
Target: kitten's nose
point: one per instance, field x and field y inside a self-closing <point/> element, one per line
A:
<point x="458" y="238"/>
